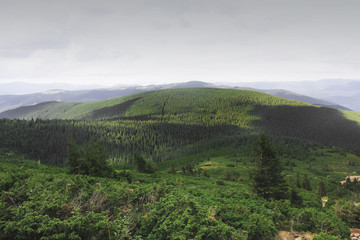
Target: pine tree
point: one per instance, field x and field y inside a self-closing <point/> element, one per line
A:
<point x="298" y="180"/>
<point x="139" y="163"/>
<point x="268" y="182"/>
<point x="88" y="160"/>
<point x="295" y="199"/>
<point x="73" y="156"/>
<point x="306" y="183"/>
<point x="321" y="190"/>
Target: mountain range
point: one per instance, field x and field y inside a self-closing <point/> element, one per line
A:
<point x="8" y="102"/>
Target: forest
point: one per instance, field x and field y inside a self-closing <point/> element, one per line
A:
<point x="179" y="164"/>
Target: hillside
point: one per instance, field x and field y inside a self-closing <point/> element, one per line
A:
<point x="200" y="148"/>
<point x="8" y="102"/>
<point x="176" y="122"/>
<point x="345" y="92"/>
<point x="177" y="102"/>
<point x="204" y="196"/>
<point x="298" y="97"/>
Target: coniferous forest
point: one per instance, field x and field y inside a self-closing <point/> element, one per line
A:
<point x="179" y="164"/>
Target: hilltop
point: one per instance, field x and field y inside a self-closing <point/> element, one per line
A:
<point x="169" y="102"/>
<point x="162" y="123"/>
<point x="8" y="102"/>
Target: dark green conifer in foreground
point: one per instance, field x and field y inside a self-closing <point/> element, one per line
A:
<point x="141" y="165"/>
<point x="321" y="189"/>
<point x="268" y="182"/>
<point x="89" y="159"/>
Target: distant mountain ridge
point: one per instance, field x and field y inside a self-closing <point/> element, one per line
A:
<point x="8" y="102"/>
<point x="20" y="88"/>
<point x="344" y="92"/>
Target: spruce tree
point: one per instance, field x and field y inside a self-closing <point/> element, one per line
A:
<point x="268" y="182"/>
<point x="321" y="189"/>
<point x="73" y="156"/>
<point x="139" y="163"/>
<point x="298" y="180"/>
<point x="306" y="183"/>
<point x="88" y="160"/>
<point x="295" y="199"/>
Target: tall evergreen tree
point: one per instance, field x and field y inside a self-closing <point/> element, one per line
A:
<point x="321" y="189"/>
<point x="298" y="184"/>
<point x="268" y="182"/>
<point x="88" y="160"/>
<point x="306" y="183"/>
<point x="295" y="198"/>
<point x="139" y="163"/>
<point x="73" y="155"/>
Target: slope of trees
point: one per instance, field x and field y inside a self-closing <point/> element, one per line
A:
<point x="168" y="124"/>
<point x="46" y="139"/>
<point x="322" y="125"/>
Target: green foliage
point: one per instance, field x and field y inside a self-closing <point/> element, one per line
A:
<point x="306" y="183"/>
<point x="208" y="135"/>
<point x="348" y="212"/>
<point x="141" y="165"/>
<point x="268" y="181"/>
<point x="261" y="227"/>
<point x="183" y="218"/>
<point x="325" y="236"/>
<point x="321" y="189"/>
<point x="169" y="124"/>
<point x="88" y="160"/>
<point x="315" y="220"/>
<point x="38" y="201"/>
<point x="295" y="198"/>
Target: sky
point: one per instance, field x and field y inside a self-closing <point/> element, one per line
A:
<point x="144" y="42"/>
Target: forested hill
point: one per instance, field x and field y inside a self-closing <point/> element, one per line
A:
<point x="8" y="102"/>
<point x="170" y="123"/>
<point x="171" y="103"/>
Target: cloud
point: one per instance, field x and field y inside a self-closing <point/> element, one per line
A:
<point x="152" y="41"/>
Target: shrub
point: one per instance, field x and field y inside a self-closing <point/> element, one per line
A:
<point x="88" y="160"/>
<point x="141" y="165"/>
<point x="325" y="236"/>
<point x="261" y="227"/>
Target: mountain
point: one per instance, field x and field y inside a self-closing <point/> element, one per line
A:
<point x="77" y="110"/>
<point x="194" y="152"/>
<point x="352" y="101"/>
<point x="13" y="101"/>
<point x="18" y="88"/>
<point x="295" y="96"/>
<point x="228" y="111"/>
<point x="345" y="92"/>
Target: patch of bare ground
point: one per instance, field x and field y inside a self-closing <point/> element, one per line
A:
<point x="355" y="234"/>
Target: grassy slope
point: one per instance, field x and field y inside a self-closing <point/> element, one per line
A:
<point x="351" y="115"/>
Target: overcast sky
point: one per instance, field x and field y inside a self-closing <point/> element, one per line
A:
<point x="163" y="41"/>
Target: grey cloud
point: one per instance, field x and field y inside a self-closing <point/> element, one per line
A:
<point x="154" y="39"/>
<point x="93" y="55"/>
<point x="47" y="44"/>
<point x="15" y="53"/>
